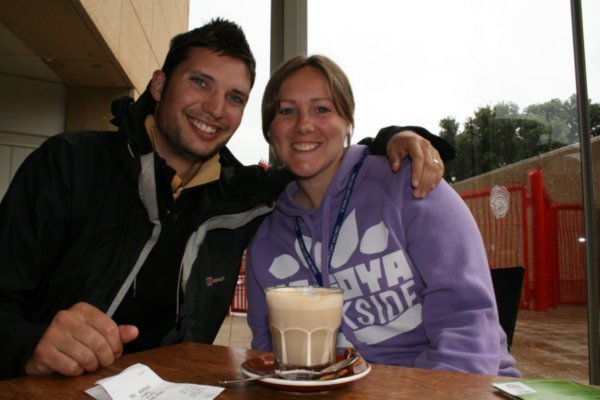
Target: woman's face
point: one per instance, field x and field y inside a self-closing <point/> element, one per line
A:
<point x="307" y="132"/>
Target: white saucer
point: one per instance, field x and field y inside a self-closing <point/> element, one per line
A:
<point x="264" y="365"/>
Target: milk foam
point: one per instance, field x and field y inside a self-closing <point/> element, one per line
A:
<point x="305" y="298"/>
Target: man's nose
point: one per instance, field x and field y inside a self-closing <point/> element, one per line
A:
<point x="214" y="105"/>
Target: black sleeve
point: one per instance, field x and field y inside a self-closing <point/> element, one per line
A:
<point x="30" y="237"/>
<point x="378" y="145"/>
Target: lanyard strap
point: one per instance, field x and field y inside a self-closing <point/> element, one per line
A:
<point x="338" y="224"/>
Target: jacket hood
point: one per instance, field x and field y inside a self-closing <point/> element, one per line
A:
<point x="129" y="117"/>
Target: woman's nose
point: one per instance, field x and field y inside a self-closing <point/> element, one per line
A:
<point x="304" y="123"/>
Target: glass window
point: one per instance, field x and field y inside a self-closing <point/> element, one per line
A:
<point x="247" y="144"/>
<point x="496" y="79"/>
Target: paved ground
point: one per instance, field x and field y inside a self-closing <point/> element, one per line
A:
<point x="553" y="344"/>
<point x="546" y="344"/>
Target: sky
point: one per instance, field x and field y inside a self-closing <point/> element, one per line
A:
<point x="414" y="63"/>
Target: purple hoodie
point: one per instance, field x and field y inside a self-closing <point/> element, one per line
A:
<point x="417" y="288"/>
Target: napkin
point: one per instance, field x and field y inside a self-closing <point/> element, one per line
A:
<point x="140" y="382"/>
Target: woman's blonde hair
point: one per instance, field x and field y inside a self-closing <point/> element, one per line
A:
<point x="343" y="98"/>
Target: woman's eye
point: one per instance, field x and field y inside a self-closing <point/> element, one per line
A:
<point x="322" y="109"/>
<point x="286" y="111"/>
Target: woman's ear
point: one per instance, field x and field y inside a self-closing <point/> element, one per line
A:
<point x="157" y="85"/>
<point x="348" y="138"/>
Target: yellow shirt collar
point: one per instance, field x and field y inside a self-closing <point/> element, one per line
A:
<point x="209" y="171"/>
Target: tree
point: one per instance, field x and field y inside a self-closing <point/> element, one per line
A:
<point x="595" y="119"/>
<point x="449" y="131"/>
<point x="494" y="137"/>
<point x="559" y="116"/>
<point x="563" y="118"/>
<point x="501" y="134"/>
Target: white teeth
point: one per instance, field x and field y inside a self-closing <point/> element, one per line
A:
<point x="203" y="127"/>
<point x="305" y="146"/>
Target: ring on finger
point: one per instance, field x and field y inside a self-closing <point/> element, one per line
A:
<point x="435" y="161"/>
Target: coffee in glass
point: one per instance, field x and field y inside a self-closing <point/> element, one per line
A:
<point x="304" y="322"/>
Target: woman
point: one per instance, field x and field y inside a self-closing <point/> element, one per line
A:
<point x="417" y="289"/>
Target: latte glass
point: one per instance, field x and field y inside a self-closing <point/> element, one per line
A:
<point x="304" y="322"/>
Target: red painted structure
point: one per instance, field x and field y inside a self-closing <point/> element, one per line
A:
<point x="552" y="233"/>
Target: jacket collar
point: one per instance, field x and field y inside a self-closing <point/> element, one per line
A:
<point x="129" y="117"/>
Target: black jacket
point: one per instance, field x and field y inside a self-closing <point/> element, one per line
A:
<point x="87" y="207"/>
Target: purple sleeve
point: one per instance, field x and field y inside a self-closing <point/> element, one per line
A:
<point x="459" y="309"/>
<point x="257" y="306"/>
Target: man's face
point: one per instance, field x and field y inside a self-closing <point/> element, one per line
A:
<point x="200" y="107"/>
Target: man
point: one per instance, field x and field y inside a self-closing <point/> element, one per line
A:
<point x="116" y="243"/>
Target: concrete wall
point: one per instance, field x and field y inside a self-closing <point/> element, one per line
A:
<point x="561" y="170"/>
<point x="31" y="106"/>
<point x="31" y="110"/>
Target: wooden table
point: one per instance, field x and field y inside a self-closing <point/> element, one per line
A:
<point x="208" y="364"/>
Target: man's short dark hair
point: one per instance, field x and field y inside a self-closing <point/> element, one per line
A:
<point x="219" y="35"/>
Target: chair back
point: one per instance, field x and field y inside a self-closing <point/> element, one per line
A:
<point x="508" y="283"/>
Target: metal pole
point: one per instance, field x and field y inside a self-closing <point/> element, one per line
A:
<point x="588" y="194"/>
<point x="288" y="36"/>
<point x="288" y="30"/>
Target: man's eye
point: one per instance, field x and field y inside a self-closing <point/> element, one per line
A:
<point x="199" y="81"/>
<point x="237" y="99"/>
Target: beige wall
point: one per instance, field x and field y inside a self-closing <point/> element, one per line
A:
<point x="561" y="171"/>
<point x="92" y="48"/>
<point x="137" y="33"/>
<point x="62" y="62"/>
<point x="88" y="108"/>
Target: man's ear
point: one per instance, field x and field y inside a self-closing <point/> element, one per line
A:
<point x="157" y="84"/>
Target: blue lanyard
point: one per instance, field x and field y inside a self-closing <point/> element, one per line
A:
<point x="336" y="229"/>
